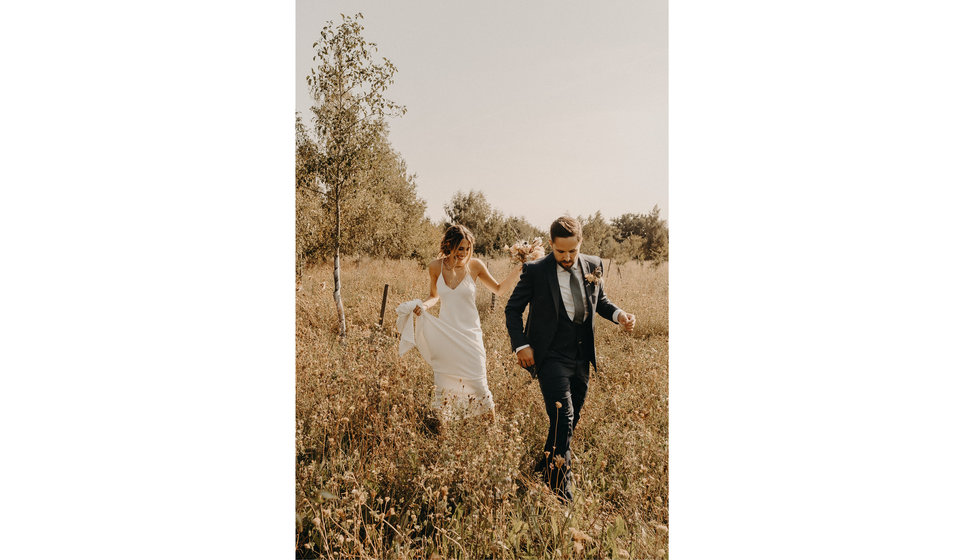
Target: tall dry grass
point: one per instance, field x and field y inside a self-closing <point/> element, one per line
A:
<point x="374" y="481"/>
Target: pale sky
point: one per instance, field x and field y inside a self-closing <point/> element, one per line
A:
<point x="547" y="107"/>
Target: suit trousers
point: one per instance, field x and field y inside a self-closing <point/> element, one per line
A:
<point x="564" y="381"/>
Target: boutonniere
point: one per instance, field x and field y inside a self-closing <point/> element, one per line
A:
<point x="594" y="277"/>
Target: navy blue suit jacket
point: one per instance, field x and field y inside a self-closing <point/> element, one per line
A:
<point x="538" y="288"/>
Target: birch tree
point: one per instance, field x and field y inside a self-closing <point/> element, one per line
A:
<point x="348" y="87"/>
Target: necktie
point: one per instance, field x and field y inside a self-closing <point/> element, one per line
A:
<point x="576" y="288"/>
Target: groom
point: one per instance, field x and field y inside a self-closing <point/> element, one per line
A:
<point x="564" y="290"/>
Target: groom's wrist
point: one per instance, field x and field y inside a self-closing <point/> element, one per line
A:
<point x="519" y="348"/>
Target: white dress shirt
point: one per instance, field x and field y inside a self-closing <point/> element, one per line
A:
<point x="565" y="286"/>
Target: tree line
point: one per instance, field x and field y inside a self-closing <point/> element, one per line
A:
<point x="385" y="218"/>
<point x="355" y="196"/>
<point x="630" y="236"/>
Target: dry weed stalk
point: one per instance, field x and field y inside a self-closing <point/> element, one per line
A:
<point x="373" y="481"/>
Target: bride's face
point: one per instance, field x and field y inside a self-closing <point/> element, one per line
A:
<point x="462" y="251"/>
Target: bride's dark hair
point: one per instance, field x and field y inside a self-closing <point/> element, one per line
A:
<point x="455" y="235"/>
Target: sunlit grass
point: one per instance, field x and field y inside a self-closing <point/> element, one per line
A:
<point x="374" y="481"/>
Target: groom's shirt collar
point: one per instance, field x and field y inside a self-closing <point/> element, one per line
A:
<point x="575" y="267"/>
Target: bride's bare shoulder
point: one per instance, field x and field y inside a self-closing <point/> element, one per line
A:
<point x="434" y="265"/>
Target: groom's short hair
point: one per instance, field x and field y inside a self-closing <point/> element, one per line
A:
<point x="566" y="226"/>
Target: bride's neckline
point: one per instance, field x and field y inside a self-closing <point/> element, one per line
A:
<point x="442" y="274"/>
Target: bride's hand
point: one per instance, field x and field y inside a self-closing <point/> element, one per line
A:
<point x="418" y="310"/>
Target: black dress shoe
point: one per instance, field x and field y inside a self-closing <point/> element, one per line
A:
<point x="564" y="495"/>
<point x="539" y="468"/>
<point x="563" y="490"/>
<point x="559" y="479"/>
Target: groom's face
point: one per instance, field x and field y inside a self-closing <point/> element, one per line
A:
<point x="566" y="250"/>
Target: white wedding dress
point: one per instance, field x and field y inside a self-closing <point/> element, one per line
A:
<point x="452" y="344"/>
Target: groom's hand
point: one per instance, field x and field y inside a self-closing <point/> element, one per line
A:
<point x="525" y="357"/>
<point x="627" y="321"/>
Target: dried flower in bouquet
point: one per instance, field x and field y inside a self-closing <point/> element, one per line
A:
<point x="522" y="251"/>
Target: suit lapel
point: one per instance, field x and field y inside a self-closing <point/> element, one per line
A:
<point x="551" y="267"/>
<point x="589" y="287"/>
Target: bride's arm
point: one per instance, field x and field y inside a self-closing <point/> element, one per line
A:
<point x="434" y="270"/>
<point x="481" y="272"/>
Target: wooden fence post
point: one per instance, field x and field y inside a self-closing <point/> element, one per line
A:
<point x="384" y="302"/>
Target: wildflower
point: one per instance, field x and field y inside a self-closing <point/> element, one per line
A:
<point x="594" y="277"/>
<point x="580" y="536"/>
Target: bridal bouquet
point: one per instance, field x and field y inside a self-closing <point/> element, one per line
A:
<point x="522" y="251"/>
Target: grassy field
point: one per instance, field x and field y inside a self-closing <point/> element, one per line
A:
<point x="373" y="481"/>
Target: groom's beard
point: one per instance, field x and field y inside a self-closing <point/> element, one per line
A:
<point x="566" y="266"/>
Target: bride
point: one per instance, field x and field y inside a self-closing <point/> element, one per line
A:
<point x="452" y="343"/>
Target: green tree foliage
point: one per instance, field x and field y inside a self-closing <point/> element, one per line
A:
<point x="383" y="217"/>
<point x="311" y="213"/>
<point x="386" y="217"/>
<point x="474" y="211"/>
<point x="628" y="249"/>
<point x="493" y="230"/>
<point x="645" y="235"/>
<point x="515" y="228"/>
<point x="350" y="107"/>
<point x="598" y="236"/>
